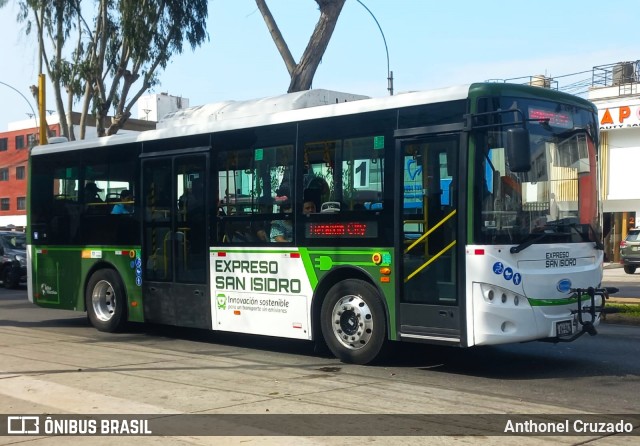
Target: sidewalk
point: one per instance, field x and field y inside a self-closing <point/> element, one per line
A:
<point x="613" y="298"/>
<point x="624" y="300"/>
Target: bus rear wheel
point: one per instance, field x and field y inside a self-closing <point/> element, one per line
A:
<point x="353" y="322"/>
<point x="106" y="301"/>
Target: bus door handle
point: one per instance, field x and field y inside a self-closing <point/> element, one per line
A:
<point x="445" y="313"/>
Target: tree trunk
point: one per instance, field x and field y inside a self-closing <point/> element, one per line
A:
<point x="302" y="77"/>
<point x="303" y="72"/>
<point x="281" y="45"/>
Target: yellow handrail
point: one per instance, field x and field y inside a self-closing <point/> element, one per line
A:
<point x="428" y="262"/>
<point x="426" y="234"/>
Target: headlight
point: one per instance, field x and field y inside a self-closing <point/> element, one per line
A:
<point x="500" y="296"/>
<point x="22" y="259"/>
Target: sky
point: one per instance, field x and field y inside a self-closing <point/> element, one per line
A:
<point x="429" y="43"/>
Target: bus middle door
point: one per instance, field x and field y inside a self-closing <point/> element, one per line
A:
<point x="175" y="242"/>
<point x="427" y="208"/>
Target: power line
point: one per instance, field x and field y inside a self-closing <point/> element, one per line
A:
<point x="23" y="97"/>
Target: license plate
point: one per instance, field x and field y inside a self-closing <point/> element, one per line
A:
<point x="563" y="328"/>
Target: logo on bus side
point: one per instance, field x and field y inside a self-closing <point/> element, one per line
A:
<point x="222" y="302"/>
<point x="564" y="285"/>
<point x="46" y="290"/>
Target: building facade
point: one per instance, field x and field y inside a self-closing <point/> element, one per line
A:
<point x="615" y="91"/>
<point x="14" y="154"/>
<point x="154" y="107"/>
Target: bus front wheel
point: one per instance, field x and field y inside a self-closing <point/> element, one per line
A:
<point x="353" y="321"/>
<point x="106" y="301"/>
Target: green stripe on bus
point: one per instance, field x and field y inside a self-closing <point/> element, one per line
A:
<point x="308" y="267"/>
<point x="553" y="302"/>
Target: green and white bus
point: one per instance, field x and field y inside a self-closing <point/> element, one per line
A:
<point x="460" y="216"/>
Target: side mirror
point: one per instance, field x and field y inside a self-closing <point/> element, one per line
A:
<point x="518" y="150"/>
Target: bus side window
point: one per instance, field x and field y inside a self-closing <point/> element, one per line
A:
<point x="250" y="182"/>
<point x="362" y="173"/>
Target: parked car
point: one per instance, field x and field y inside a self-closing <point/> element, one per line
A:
<point x="630" y="251"/>
<point x="13" y="259"/>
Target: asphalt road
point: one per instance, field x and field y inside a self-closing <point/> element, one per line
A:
<point x="628" y="284"/>
<point x="599" y="374"/>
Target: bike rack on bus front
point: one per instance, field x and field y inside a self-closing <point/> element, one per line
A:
<point x="587" y="326"/>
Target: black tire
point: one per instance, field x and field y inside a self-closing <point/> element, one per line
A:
<point x="629" y="269"/>
<point x="9" y="279"/>
<point x="353" y="322"/>
<point x="106" y="301"/>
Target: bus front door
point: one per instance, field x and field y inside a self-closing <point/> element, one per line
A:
<point x="427" y="208"/>
<point x="175" y="278"/>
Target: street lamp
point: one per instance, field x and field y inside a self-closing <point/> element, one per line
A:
<point x="389" y="72"/>
<point x="25" y="98"/>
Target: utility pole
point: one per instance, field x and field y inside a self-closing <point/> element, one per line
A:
<point x="389" y="72"/>
<point x="42" y="108"/>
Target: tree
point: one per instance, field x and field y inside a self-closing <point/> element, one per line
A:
<point x="302" y="73"/>
<point x="114" y="61"/>
<point x="55" y="19"/>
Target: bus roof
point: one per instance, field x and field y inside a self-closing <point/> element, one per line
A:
<point x="258" y="107"/>
<point x="292" y="107"/>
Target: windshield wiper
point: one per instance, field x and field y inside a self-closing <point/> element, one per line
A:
<point x="530" y="241"/>
<point x="574" y="226"/>
<point x="553" y="227"/>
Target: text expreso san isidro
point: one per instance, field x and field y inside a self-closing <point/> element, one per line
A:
<point x="263" y="276"/>
<point x="264" y="292"/>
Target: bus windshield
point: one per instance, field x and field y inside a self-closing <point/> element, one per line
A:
<point x="555" y="200"/>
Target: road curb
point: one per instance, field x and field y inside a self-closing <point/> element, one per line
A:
<point x="624" y="300"/>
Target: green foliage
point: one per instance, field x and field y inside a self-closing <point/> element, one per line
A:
<point x="117" y="54"/>
<point x="626" y="309"/>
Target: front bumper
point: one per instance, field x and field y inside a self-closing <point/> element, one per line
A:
<point x="631" y="261"/>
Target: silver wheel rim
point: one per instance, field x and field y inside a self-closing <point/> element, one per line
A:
<point x="103" y="301"/>
<point x="352" y="322"/>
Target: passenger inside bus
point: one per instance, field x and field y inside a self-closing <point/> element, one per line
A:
<point x="282" y="230"/>
<point x="91" y="193"/>
<point x="248" y="232"/>
<point x="259" y="231"/>
<point x="241" y="233"/>
<point x="125" y="206"/>
<point x="309" y="207"/>
<point x="191" y="201"/>
<point x="317" y="191"/>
